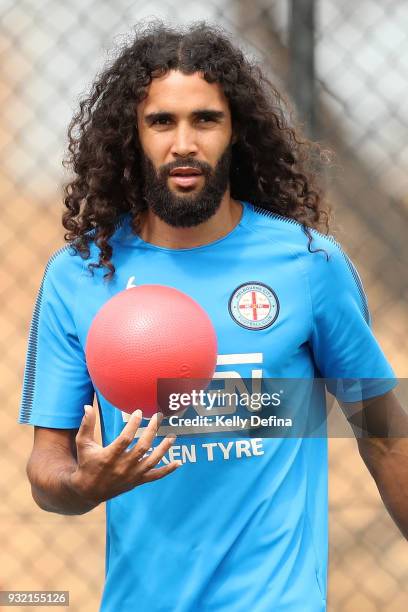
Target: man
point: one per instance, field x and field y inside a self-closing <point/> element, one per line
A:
<point x="188" y="175"/>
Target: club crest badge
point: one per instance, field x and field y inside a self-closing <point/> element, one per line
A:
<point x="254" y="305"/>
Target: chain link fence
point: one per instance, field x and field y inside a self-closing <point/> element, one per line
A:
<point x="357" y="82"/>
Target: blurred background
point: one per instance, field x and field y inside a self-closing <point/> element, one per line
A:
<point x="345" y="68"/>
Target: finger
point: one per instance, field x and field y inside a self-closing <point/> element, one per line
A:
<point x="161" y="449"/>
<point x="126" y="436"/>
<point x="161" y="472"/>
<point x="146" y="439"/>
<point x="86" y="431"/>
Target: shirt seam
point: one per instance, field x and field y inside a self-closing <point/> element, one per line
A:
<point x="75" y="301"/>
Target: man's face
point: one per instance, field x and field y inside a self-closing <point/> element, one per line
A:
<point x="185" y="133"/>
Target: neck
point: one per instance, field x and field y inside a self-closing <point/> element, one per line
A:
<point x="158" y="232"/>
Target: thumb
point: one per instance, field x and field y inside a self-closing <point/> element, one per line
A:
<point x="86" y="430"/>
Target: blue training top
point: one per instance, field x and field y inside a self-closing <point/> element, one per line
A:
<point x="242" y="525"/>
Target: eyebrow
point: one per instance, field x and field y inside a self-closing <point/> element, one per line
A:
<point x="198" y="113"/>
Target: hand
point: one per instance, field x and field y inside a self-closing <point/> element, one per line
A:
<point x="104" y="472"/>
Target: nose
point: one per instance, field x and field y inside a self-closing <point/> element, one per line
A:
<point x="184" y="143"/>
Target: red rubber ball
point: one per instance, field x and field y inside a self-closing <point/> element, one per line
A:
<point x="146" y="333"/>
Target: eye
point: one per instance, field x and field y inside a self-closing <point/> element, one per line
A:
<point x="161" y="121"/>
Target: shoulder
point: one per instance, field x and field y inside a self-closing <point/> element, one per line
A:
<point x="63" y="262"/>
<point x="61" y="274"/>
<point x="288" y="233"/>
<point x="322" y="258"/>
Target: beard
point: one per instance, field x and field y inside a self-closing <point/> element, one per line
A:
<point x="189" y="209"/>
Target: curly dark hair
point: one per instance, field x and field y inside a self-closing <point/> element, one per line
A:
<point x="273" y="165"/>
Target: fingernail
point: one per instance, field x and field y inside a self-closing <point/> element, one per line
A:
<point x="159" y="415"/>
<point x="179" y="463"/>
<point x="138" y="412"/>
